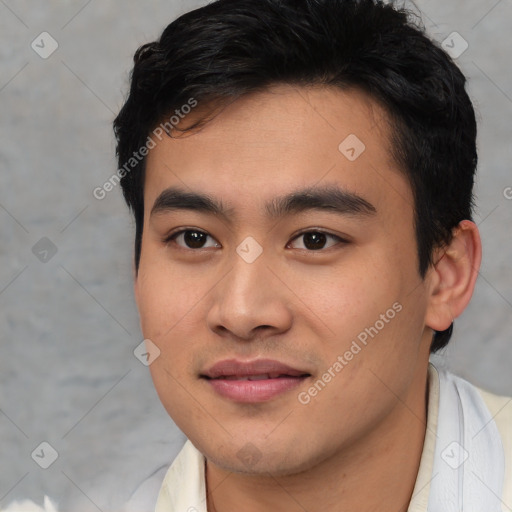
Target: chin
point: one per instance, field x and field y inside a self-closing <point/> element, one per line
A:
<point x="258" y="457"/>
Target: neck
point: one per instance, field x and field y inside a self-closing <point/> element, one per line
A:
<point x="378" y="472"/>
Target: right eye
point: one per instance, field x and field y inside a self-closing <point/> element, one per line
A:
<point x="191" y="239"/>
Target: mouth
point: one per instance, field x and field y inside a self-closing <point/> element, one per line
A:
<point x="263" y="376"/>
<point x="253" y="381"/>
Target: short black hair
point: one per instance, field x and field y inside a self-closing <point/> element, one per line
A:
<point x="229" y="48"/>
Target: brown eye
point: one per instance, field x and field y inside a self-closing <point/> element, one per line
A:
<point x="192" y="239"/>
<point x="316" y="240"/>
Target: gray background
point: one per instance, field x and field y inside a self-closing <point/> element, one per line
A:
<point x="69" y="325"/>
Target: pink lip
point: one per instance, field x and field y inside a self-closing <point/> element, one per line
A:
<point x="223" y="376"/>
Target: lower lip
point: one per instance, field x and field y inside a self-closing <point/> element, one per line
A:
<point x="251" y="391"/>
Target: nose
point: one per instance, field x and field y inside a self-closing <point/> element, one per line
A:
<point x="249" y="302"/>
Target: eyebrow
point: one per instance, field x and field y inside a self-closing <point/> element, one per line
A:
<point x="328" y="198"/>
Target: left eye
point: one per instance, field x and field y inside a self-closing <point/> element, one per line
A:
<point x="316" y="240"/>
<point x="192" y="239"/>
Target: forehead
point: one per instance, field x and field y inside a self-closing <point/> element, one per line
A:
<point x="271" y="142"/>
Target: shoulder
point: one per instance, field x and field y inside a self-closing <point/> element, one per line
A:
<point x="145" y="495"/>
<point x="500" y="408"/>
<point x="170" y="487"/>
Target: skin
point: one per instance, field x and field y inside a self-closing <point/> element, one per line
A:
<point x="365" y="429"/>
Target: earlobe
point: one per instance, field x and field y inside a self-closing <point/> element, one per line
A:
<point x="453" y="276"/>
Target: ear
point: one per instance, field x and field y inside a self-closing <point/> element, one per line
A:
<point x="453" y="276"/>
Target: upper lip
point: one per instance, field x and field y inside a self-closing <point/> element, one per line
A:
<point x="237" y="368"/>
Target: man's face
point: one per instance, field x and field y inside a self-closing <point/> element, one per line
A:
<point x="327" y="289"/>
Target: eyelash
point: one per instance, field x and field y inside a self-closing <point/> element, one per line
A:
<point x="172" y="238"/>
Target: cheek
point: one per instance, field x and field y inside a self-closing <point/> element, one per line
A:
<point x="352" y="293"/>
<point x="366" y="300"/>
<point x="165" y="296"/>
